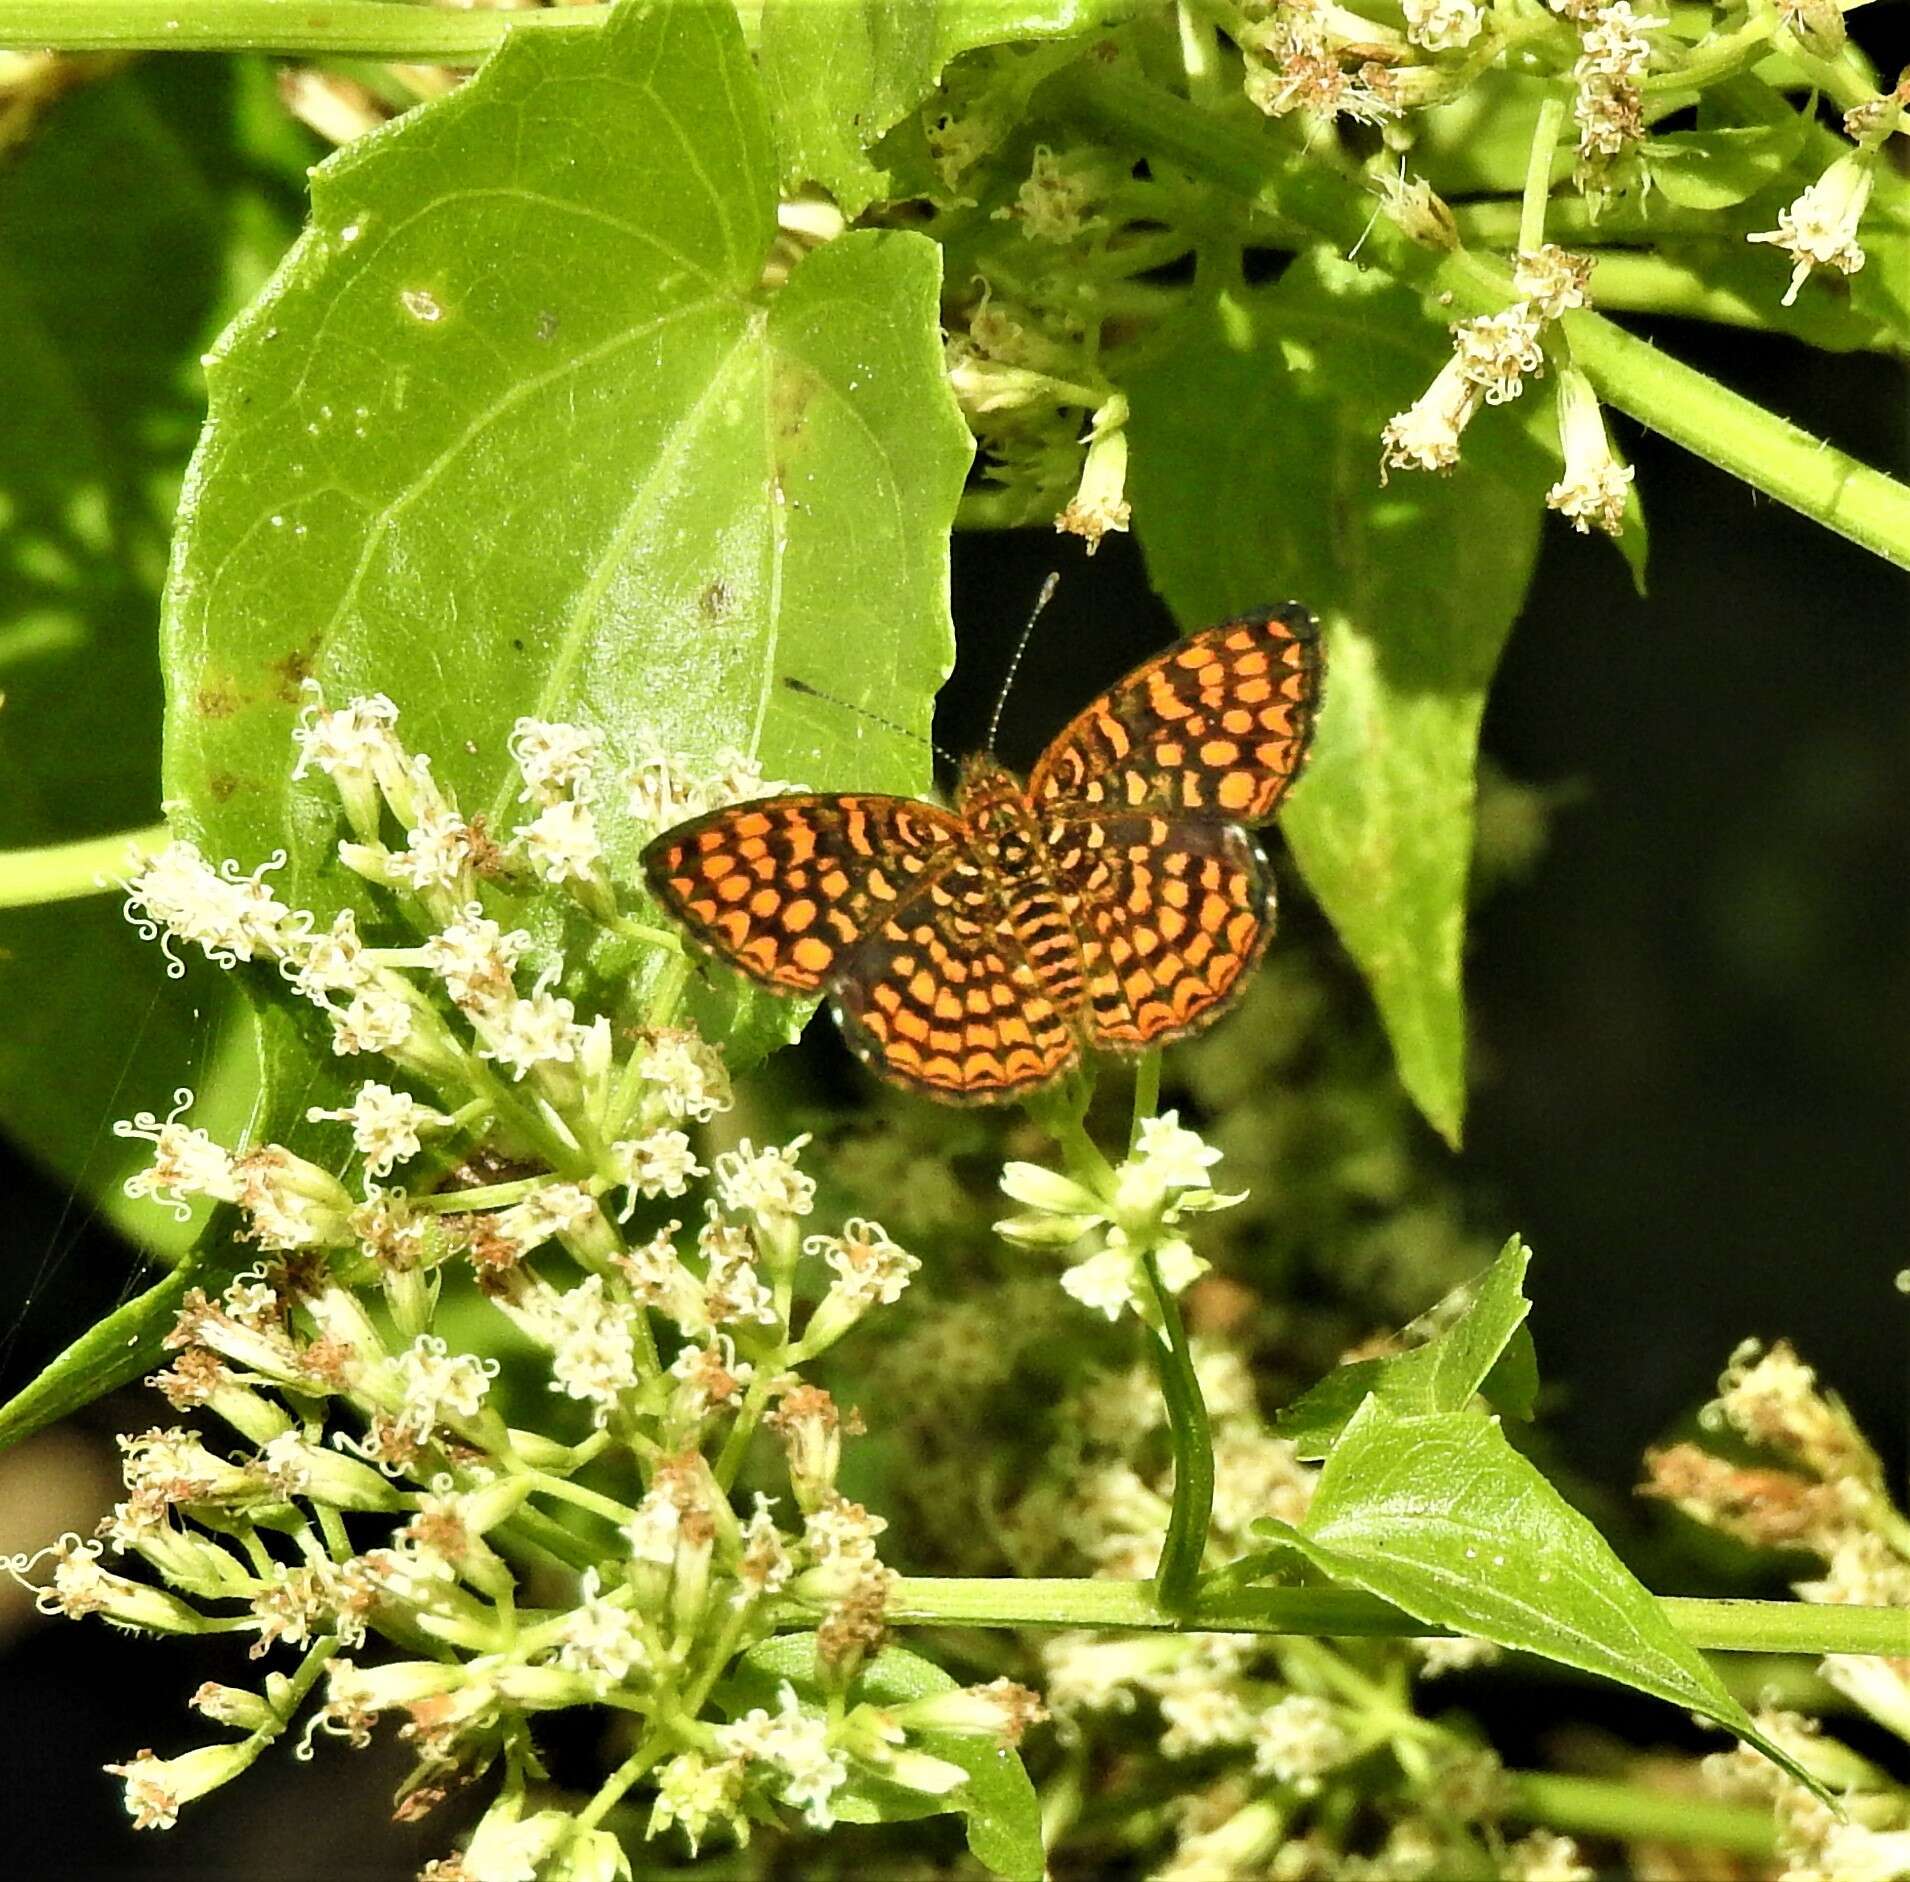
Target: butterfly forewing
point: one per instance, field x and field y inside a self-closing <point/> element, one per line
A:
<point x="939" y="1000"/>
<point x="1171" y="913"/>
<point x="784" y="887"/>
<point x="1217" y="726"/>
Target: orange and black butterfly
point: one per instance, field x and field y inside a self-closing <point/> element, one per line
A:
<point x="1112" y="902"/>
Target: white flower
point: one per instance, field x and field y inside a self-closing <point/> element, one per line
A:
<point x="1496" y="351"/>
<point x="686" y="1074"/>
<point x="561" y="841"/>
<point x="663" y="792"/>
<point x="693" y="1793"/>
<point x="335" y="961"/>
<point x="1592" y="491"/>
<point x="439" y="852"/>
<point x="437" y="1384"/>
<point x="1551" y="280"/>
<point x="377" y="1020"/>
<point x="1104" y="1283"/>
<point x="186" y="1161"/>
<point x="870" y="1269"/>
<point x="1819" y="230"/>
<point x="653" y="1529"/>
<point x="1426" y="435"/>
<point x="157" y="1787"/>
<point x="599" y="1639"/>
<point x="739" y="779"/>
<point x="348" y="743"/>
<point x="474" y="956"/>
<point x="1298" y="1739"/>
<point x="661" y="1164"/>
<point x="553" y="757"/>
<point x="231" y="917"/>
<point x="765" y="1183"/>
<point x="1443" y="25"/>
<point x="711" y="1375"/>
<point x="291" y="1203"/>
<point x="1100" y="502"/>
<point x="521" y="1033"/>
<point x="797" y="1743"/>
<point x="593" y="1356"/>
<point x="385" y="1125"/>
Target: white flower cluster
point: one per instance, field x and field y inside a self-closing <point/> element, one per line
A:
<point x="1133" y="1218"/>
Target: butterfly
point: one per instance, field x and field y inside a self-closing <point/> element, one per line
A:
<point x="1112" y="902"/>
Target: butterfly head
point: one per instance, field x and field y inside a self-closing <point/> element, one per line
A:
<point x="982" y="784"/>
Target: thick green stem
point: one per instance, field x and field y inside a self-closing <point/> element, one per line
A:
<point x="1191" y="1515"/>
<point x="1715" y="1626"/>
<point x="366" y="29"/>
<point x="1708" y="419"/>
<point x="61" y="872"/>
<point x="1598" y="1806"/>
<point x="1538" y="173"/>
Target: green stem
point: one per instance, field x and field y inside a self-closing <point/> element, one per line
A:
<point x="1597" y="1806"/>
<point x="62" y="872"/>
<point x="1708" y="419"/>
<point x="1191" y="1514"/>
<point x="367" y="29"/>
<point x="1538" y="173"/>
<point x="649" y="1749"/>
<point x="1715" y="1626"/>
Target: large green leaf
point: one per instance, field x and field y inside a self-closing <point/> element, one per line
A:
<point x="1255" y="476"/>
<point x="840" y="75"/>
<point x="1001" y="1811"/>
<point x="144" y="211"/>
<point x="1439" y="1515"/>
<point x="1480" y="1324"/>
<point x="520" y="427"/>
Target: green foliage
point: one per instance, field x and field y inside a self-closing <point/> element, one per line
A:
<point x="614" y="483"/>
<point x="1438" y="1514"/>
<point x="1475" y="1352"/>
<point x="575" y="401"/>
<point x="1254" y="439"/>
<point x="102" y="395"/>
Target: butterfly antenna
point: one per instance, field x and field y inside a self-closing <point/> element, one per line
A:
<point x="863" y="712"/>
<point x="1021" y="647"/>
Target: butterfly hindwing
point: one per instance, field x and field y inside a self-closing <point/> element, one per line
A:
<point x="784" y="887"/>
<point x="1216" y="726"/>
<point x="1171" y="913"/>
<point x="938" y="999"/>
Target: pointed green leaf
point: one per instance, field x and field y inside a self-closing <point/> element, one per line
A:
<point x="1479" y="1322"/>
<point x="1255" y="477"/>
<point x="521" y="428"/>
<point x="1439" y="1515"/>
<point x="1003" y="1815"/>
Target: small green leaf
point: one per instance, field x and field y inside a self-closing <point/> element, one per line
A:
<point x="1003" y="1814"/>
<point x="1715" y="169"/>
<point x="1255" y="477"/>
<point x="1480" y="1321"/>
<point x="120" y="1347"/>
<point x="616" y="480"/>
<point x="1439" y="1515"/>
<point x="838" y="77"/>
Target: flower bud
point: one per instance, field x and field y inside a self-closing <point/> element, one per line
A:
<point x="156" y="1787"/>
<point x="234" y="1706"/>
